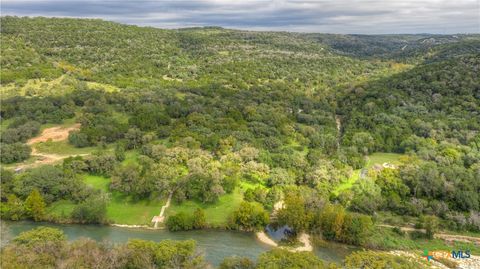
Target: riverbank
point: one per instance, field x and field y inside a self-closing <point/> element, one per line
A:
<point x="263" y="237"/>
<point x="303" y="238"/>
<point x="135" y="226"/>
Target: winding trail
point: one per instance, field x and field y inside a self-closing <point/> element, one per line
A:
<point x="338" y="122"/>
<point x="161" y="218"/>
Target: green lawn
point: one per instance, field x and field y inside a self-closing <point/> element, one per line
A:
<point x="61" y="209"/>
<point x="244" y="185"/>
<point x="124" y="209"/>
<point x="96" y="182"/>
<point x="216" y="213"/>
<point x="382" y="157"/>
<point x="62" y="148"/>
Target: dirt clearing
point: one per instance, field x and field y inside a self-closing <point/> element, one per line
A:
<point x="58" y="133"/>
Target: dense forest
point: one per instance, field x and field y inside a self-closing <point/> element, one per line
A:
<point x="210" y="113"/>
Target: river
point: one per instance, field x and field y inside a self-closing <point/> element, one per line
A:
<point x="215" y="244"/>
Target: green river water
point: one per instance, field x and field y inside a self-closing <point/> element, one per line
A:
<point x="215" y="244"/>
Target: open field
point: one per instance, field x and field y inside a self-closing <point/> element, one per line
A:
<point x="61" y="208"/>
<point x="61" y="148"/>
<point x="382" y="157"/>
<point x="216" y="213"/>
<point x="124" y="209"/>
<point x="96" y="182"/>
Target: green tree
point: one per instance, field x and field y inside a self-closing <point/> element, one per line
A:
<point x="249" y="216"/>
<point x="119" y="152"/>
<point x="294" y="213"/>
<point x="92" y="210"/>
<point x="357" y="228"/>
<point x="13" y="208"/>
<point x="199" y="220"/>
<point x="179" y="222"/>
<point x="79" y="139"/>
<point x="430" y="224"/>
<point x="40" y="236"/>
<point x="364" y="142"/>
<point x="237" y="263"/>
<point x="35" y="205"/>
<point x="15" y="152"/>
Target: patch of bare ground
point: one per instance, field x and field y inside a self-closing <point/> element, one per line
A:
<point x="58" y="133"/>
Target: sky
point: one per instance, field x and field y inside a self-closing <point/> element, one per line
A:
<point x="320" y="16"/>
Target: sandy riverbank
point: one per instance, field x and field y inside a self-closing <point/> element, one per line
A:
<point x="263" y="237"/>
<point x="303" y="238"/>
<point x="134" y="226"/>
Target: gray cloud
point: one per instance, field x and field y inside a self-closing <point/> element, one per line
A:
<point x="332" y="16"/>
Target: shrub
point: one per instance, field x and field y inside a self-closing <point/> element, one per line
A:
<point x="16" y="152"/>
<point x="92" y="210"/>
<point x="179" y="222"/>
<point x="249" y="216"/>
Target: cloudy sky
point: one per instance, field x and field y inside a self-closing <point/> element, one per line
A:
<point x="332" y="16"/>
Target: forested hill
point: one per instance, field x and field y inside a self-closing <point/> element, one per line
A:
<point x="215" y="107"/>
<point x="399" y="47"/>
<point x="123" y="55"/>
<point x="130" y="56"/>
<point x="439" y="98"/>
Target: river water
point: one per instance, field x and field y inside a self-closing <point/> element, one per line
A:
<point x="215" y="244"/>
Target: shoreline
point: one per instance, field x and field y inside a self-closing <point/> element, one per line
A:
<point x="264" y="238"/>
<point x="128" y="226"/>
<point x="303" y="238"/>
